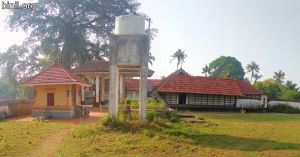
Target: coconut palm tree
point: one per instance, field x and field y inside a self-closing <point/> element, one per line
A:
<point x="206" y="70"/>
<point x="252" y="68"/>
<point x="257" y="77"/>
<point x="279" y="76"/>
<point x="179" y="55"/>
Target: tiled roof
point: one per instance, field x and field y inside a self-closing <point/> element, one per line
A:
<point x="93" y="66"/>
<point x="133" y="84"/>
<point x="181" y="82"/>
<point x="97" y="66"/>
<point x="248" y="89"/>
<point x="54" y="74"/>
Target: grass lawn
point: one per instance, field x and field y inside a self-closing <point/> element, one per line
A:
<point x="22" y="138"/>
<point x="221" y="134"/>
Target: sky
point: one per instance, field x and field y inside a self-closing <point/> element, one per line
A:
<point x="264" y="31"/>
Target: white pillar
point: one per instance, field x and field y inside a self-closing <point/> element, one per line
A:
<point x="102" y="88"/>
<point x="113" y="91"/>
<point x="97" y="89"/>
<point x="121" y="87"/>
<point x="143" y="92"/>
<point x="82" y="93"/>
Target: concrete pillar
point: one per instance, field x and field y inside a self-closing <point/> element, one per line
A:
<point x="82" y="93"/>
<point x="113" y="91"/>
<point x="102" y="88"/>
<point x="97" y="89"/>
<point x="122" y="90"/>
<point x="143" y="92"/>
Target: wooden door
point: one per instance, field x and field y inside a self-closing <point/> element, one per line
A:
<point x="50" y="99"/>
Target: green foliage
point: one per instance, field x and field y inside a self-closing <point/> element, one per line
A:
<point x="180" y="56"/>
<point x="279" y="76"/>
<point x="227" y="67"/>
<point x="290" y="95"/>
<point x="63" y="29"/>
<point x="206" y="70"/>
<point x="151" y="104"/>
<point x="291" y="86"/>
<point x="270" y="87"/>
<point x="253" y="69"/>
<point x="283" y="108"/>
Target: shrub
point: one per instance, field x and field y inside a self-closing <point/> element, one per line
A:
<point x="116" y="124"/>
<point x="151" y="104"/>
<point x="284" y="108"/>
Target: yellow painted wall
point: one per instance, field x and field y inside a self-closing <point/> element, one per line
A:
<point x="60" y="95"/>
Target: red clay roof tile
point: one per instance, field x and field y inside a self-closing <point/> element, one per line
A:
<point x="56" y="73"/>
<point x="181" y="82"/>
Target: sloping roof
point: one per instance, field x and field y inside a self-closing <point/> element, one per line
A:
<point x="93" y="66"/>
<point x="247" y="88"/>
<point x="181" y="82"/>
<point x="54" y="74"/>
<point x="133" y="84"/>
<point x="98" y="66"/>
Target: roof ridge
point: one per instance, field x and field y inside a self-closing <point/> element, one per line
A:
<point x="41" y="72"/>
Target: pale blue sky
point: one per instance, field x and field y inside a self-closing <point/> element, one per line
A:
<point x="265" y="31"/>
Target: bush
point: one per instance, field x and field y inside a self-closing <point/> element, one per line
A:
<point x="116" y="124"/>
<point x="284" y="108"/>
<point x="151" y="104"/>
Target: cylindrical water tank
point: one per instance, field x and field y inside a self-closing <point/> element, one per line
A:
<point x="129" y="24"/>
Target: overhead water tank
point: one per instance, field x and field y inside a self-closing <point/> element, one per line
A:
<point x="129" y="24"/>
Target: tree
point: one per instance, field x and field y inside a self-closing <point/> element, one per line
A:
<point x="228" y="67"/>
<point x="17" y="66"/>
<point x="290" y="95"/>
<point x="180" y="56"/>
<point x="291" y="86"/>
<point x="206" y="70"/>
<point x="71" y="31"/>
<point x="270" y="87"/>
<point x="257" y="77"/>
<point x="252" y="68"/>
<point x="279" y="76"/>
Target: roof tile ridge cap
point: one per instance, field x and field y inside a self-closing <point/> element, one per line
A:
<point x="41" y="72"/>
<point x="68" y="73"/>
<point x="163" y="82"/>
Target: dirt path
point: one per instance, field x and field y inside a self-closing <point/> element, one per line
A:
<point x="51" y="143"/>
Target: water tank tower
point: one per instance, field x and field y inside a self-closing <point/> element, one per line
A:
<point x="129" y="50"/>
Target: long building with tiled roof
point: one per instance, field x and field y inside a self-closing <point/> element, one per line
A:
<point x="183" y="90"/>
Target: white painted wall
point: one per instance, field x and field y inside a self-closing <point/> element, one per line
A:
<point x="292" y="104"/>
<point x="250" y="103"/>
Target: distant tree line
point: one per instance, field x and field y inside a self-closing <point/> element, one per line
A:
<point x="229" y="67"/>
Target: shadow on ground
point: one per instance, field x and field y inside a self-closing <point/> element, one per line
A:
<point x="234" y="143"/>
